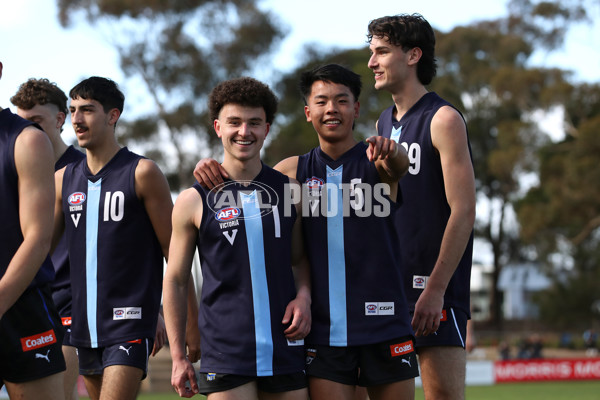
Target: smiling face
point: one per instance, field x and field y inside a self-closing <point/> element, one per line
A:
<point x="91" y="124"/>
<point x="242" y="130"/>
<point x="332" y="110"/>
<point x="390" y="64"/>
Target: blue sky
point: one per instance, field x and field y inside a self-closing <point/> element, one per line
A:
<point x="34" y="45"/>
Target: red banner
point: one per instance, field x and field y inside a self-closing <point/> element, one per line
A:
<point x="547" y="370"/>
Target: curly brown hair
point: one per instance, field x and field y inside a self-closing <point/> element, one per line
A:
<point x="40" y="91"/>
<point x="245" y="91"/>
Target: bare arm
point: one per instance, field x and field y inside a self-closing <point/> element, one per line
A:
<point x="297" y="312"/>
<point x="192" y="332"/>
<point x="187" y="215"/>
<point x="152" y="188"/>
<point x="288" y="167"/>
<point x="59" y="217"/>
<point x="34" y="161"/>
<point x="449" y="137"/>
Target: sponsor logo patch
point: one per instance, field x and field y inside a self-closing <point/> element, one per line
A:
<point x="66" y="321"/>
<point x="444" y="316"/>
<point x="37" y="341"/>
<point x="299" y="342"/>
<point x="127" y="313"/>
<point x="419" y="282"/>
<point x="401" y="349"/>
<point x="379" y="308"/>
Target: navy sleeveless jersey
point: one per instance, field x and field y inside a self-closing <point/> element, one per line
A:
<point x="116" y="259"/>
<point x="60" y="256"/>
<point x="423" y="217"/>
<point x="244" y="244"/>
<point x="357" y="291"/>
<point x="11" y="237"/>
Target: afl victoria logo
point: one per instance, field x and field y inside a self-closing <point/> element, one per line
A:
<point x="227" y="214"/>
<point x="76" y="198"/>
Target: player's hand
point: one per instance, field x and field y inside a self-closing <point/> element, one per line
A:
<point x="192" y="342"/>
<point x="381" y="148"/>
<point x="183" y="378"/>
<point x="298" y="312"/>
<point x="209" y="173"/>
<point x="161" y="335"/>
<point x="428" y="312"/>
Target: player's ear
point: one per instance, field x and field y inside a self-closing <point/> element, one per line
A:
<point x="307" y="113"/>
<point x="217" y="127"/>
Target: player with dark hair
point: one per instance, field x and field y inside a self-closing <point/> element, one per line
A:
<point x="253" y="317"/>
<point x="31" y="360"/>
<point x="115" y="207"/>
<point x="361" y="332"/>
<point x="435" y="223"/>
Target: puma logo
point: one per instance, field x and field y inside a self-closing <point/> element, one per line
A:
<point x="126" y="350"/>
<point x="405" y="361"/>
<point x="38" y="355"/>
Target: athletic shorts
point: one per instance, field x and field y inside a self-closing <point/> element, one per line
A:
<point x="31" y="338"/>
<point x="369" y="365"/>
<point x="212" y="382"/>
<point x="62" y="300"/>
<point x="134" y="353"/>
<point x="452" y="330"/>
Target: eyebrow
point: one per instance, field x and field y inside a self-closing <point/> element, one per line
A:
<point x="85" y="105"/>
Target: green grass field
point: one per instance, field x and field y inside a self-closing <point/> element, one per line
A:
<point x="584" y="390"/>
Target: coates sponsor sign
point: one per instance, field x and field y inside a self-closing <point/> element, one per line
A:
<point x="547" y="370"/>
<point x="40" y="340"/>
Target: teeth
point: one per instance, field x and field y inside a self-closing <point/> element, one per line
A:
<point x="333" y="122"/>
<point x="243" y="142"/>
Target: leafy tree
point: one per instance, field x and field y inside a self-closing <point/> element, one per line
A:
<point x="561" y="214"/>
<point x="177" y="51"/>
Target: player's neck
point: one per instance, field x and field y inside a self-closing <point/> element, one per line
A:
<point x="337" y="149"/>
<point x="407" y="97"/>
<point x="97" y="158"/>
<point x="242" y="170"/>
<point x="59" y="147"/>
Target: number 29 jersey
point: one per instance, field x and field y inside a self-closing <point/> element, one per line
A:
<point x="116" y="259"/>
<point x="423" y="217"/>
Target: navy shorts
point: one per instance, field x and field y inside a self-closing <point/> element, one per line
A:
<point x="31" y="338"/>
<point x="62" y="300"/>
<point x="212" y="382"/>
<point x="134" y="353"/>
<point x="452" y="330"/>
<point x="369" y="365"/>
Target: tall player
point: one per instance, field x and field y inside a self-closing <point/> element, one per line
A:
<point x="435" y="223"/>
<point x="253" y="318"/>
<point x="31" y="360"/>
<point x="42" y="102"/>
<point x="361" y="332"/>
<point x="115" y="207"/>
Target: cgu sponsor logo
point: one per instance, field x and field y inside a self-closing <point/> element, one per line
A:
<point x="76" y="198"/>
<point x="127" y="313"/>
<point x="227" y="214"/>
<point x="401" y="348"/>
<point x="37" y="341"/>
